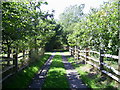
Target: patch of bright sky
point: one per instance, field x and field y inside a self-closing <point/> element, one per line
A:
<point x="60" y="5"/>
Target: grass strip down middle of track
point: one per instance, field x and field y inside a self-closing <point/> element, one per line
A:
<point x="56" y="76"/>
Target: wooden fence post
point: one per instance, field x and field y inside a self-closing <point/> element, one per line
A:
<point x="119" y="60"/>
<point x="8" y="54"/>
<point x="30" y="54"/>
<point x="118" y="85"/>
<point x="23" y="53"/>
<point x="15" y="61"/>
<point x="78" y="53"/>
<point x="70" y="50"/>
<point x="75" y="52"/>
<point x="86" y="54"/>
<point x="119" y="44"/>
<point x="23" y="57"/>
<point x="101" y="60"/>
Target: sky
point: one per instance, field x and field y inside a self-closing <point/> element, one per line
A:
<point x="60" y="5"/>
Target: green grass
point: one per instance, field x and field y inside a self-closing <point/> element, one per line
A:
<point x="23" y="78"/>
<point x="56" y="76"/>
<point x="93" y="80"/>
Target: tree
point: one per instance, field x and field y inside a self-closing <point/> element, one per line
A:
<point x="70" y="16"/>
<point x="26" y="26"/>
<point x="99" y="29"/>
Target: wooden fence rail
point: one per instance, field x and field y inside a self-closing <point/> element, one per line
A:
<point x="14" y="66"/>
<point x="98" y="63"/>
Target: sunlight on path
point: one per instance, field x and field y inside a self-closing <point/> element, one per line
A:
<point x="72" y="76"/>
<point x="38" y="80"/>
<point x="58" y="53"/>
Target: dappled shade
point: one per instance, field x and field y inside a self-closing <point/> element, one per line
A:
<point x="56" y="75"/>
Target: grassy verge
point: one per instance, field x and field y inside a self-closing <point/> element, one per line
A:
<point x="56" y="76"/>
<point x="92" y="77"/>
<point x="23" y="78"/>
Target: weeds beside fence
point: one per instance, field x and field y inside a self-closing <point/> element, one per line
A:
<point x="89" y="57"/>
<point x="17" y="62"/>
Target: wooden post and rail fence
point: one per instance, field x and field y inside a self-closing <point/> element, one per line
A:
<point x="16" y="63"/>
<point x="88" y="56"/>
